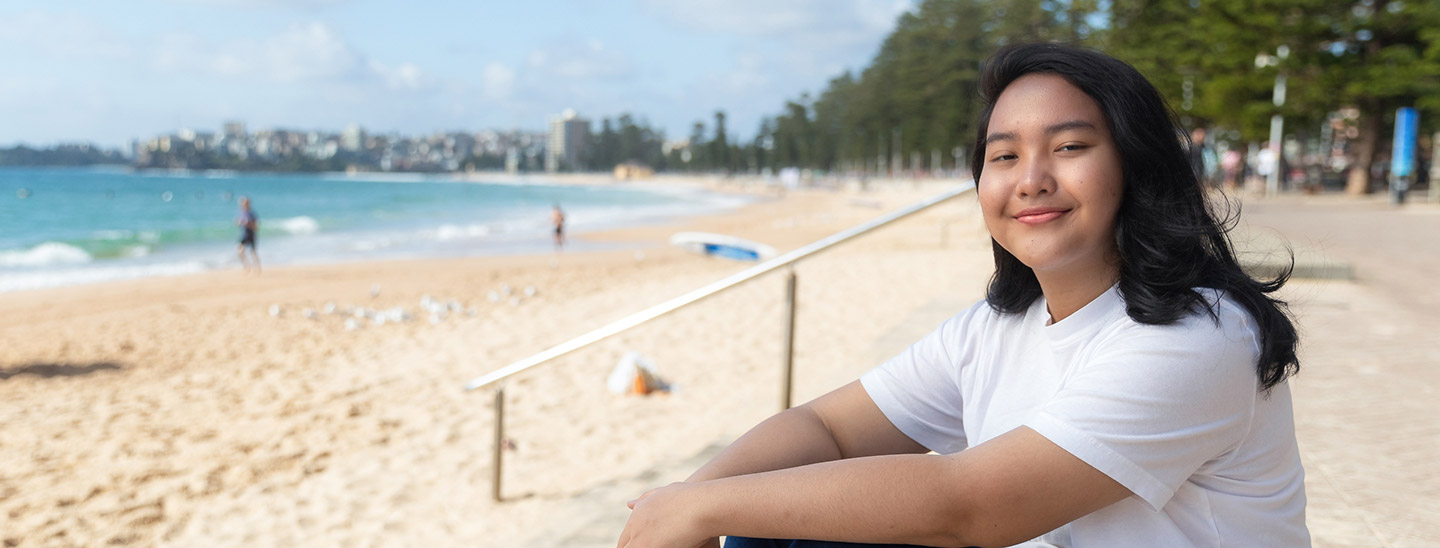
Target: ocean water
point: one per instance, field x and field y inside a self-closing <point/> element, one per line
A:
<point x="74" y="226"/>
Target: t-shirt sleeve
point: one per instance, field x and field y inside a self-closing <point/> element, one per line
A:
<point x="1153" y="406"/>
<point x="919" y="389"/>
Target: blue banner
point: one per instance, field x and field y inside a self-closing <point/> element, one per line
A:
<point x="1407" y="125"/>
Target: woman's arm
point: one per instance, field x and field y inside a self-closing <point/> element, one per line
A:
<point x="842" y="424"/>
<point x="1007" y="490"/>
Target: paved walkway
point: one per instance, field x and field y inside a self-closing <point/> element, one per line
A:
<point x="1367" y="400"/>
<point x="1366" y="408"/>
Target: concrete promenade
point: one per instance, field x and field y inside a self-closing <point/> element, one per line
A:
<point x="1367" y="399"/>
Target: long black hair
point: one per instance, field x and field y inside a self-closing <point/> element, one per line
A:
<point x="1169" y="238"/>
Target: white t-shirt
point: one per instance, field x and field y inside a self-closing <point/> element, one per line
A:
<point x="1172" y="412"/>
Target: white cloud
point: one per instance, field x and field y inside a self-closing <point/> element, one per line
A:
<point x="751" y="74"/>
<point x="265" y="3"/>
<point x="789" y="47"/>
<point x="406" y="77"/>
<point x="63" y="36"/>
<point x="498" y="81"/>
<point x="782" y="18"/>
<point x="574" y="61"/>
<point x="813" y="39"/>
<point x="305" y="51"/>
<point x="302" y="53"/>
<point x="586" y="75"/>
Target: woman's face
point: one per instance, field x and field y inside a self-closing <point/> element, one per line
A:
<point x="1051" y="184"/>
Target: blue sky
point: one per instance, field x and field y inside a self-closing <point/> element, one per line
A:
<point x="106" y="72"/>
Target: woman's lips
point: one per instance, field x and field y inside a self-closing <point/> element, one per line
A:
<point x="1039" y="215"/>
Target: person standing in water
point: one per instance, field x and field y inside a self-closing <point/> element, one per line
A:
<point x="249" y="223"/>
<point x="557" y="219"/>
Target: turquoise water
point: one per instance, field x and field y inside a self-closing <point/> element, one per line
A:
<point x="67" y="226"/>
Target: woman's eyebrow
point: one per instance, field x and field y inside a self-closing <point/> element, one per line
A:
<point x="1049" y="131"/>
<point x="1006" y="136"/>
<point x="1067" y="126"/>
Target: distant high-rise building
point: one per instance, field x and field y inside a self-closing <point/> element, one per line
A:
<point x="353" y="138"/>
<point x="203" y="140"/>
<point x="234" y="130"/>
<point x="568" y="142"/>
<point x="512" y="161"/>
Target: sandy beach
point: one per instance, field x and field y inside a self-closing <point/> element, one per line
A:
<point x="211" y="410"/>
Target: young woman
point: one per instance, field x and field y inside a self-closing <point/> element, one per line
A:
<point x="1122" y="384"/>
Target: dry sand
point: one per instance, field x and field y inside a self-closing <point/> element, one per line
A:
<point x="181" y="412"/>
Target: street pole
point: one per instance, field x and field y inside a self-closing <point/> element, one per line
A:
<point x="1277" y="132"/>
<point x="1277" y="137"/>
<point x="1277" y="122"/>
<point x="897" y="158"/>
<point x="1435" y="167"/>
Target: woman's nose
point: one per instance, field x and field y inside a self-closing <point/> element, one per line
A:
<point x="1036" y="178"/>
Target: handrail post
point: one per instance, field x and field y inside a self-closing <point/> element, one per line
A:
<point x="789" y="350"/>
<point x="499" y="442"/>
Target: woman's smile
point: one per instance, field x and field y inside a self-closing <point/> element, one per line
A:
<point x="1040" y="215"/>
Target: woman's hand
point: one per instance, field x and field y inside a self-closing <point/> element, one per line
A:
<point x="666" y="517"/>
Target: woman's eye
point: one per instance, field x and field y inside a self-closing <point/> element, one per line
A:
<point x="1002" y="157"/>
<point x="1072" y="147"/>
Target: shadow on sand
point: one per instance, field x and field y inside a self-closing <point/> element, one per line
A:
<point x="49" y="370"/>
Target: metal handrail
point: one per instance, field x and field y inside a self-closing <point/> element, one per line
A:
<point x="711" y="289"/>
<point x="689" y="298"/>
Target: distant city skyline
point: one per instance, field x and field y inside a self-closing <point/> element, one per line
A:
<point x="108" y="73"/>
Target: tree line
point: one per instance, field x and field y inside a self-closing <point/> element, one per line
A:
<point x="60" y="155"/>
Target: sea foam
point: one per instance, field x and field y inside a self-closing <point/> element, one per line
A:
<point x="46" y="254"/>
<point x="299" y="226"/>
<point x="456" y="232"/>
<point x="25" y="280"/>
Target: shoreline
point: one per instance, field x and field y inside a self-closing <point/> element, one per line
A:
<point x="716" y="196"/>
<point x="295" y="238"/>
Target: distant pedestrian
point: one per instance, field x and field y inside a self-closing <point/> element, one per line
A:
<point x="1265" y="161"/>
<point x="1201" y="157"/>
<point x="249" y="223"/>
<point x="557" y="219"/>
<point x="1231" y="164"/>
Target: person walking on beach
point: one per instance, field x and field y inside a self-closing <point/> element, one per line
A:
<point x="249" y="223"/>
<point x="557" y="219"/>
<point x="1122" y="385"/>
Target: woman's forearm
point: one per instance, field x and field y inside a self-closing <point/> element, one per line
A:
<point x="771" y="474"/>
<point x="885" y="499"/>
<point x="794" y="437"/>
<point x="843" y="423"/>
